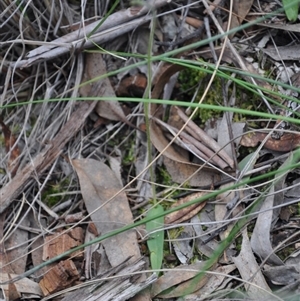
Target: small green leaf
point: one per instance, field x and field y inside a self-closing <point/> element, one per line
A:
<point x="248" y="163"/>
<point x="156" y="240"/>
<point x="291" y="8"/>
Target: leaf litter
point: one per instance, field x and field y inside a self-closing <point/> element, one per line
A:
<point x="70" y="166"/>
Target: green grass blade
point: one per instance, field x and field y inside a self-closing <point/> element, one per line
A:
<point x="156" y="241"/>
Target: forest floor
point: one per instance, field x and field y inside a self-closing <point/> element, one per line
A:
<point x="149" y="150"/>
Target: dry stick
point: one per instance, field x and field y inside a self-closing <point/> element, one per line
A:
<point x="115" y="25"/>
<point x="196" y="144"/>
<point x="101" y="37"/>
<point x="203" y="151"/>
<point x="118" y="18"/>
<point x="205" y="138"/>
<point x="42" y="161"/>
<point x="186" y="144"/>
<point x="212" y="155"/>
<point x="214" y="5"/>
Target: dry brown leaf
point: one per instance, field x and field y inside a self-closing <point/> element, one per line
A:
<point x="122" y="286"/>
<point x="207" y="144"/>
<point x="251" y="272"/>
<point x="95" y="67"/>
<point x="14" y="153"/>
<point x="133" y="85"/>
<point x="160" y="141"/>
<point x="286" y="143"/>
<point x="190" y="174"/>
<point x="91" y="254"/>
<point x="183" y="287"/>
<point x="241" y="9"/>
<point x="173" y="278"/>
<point x="98" y="185"/>
<point x="185" y="213"/>
<point x="37" y="246"/>
<point x="12" y="293"/>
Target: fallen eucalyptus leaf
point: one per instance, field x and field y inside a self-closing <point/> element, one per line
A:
<point x="109" y="209"/>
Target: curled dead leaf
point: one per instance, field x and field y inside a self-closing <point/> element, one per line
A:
<point x="286" y="143"/>
<point x="185" y="213"/>
<point x="133" y="85"/>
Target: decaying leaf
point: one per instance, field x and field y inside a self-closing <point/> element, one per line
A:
<point x="91" y="255"/>
<point x="12" y="293"/>
<point x="210" y="147"/>
<point x="185" y="213"/>
<point x="202" y="225"/>
<point x="216" y="280"/>
<point x="183" y="245"/>
<point x="286" y="143"/>
<point x="282" y="53"/>
<point x="174" y="278"/>
<point x="241" y="9"/>
<point x="95" y="67"/>
<point x="221" y="210"/>
<point x="108" y="207"/>
<point x="261" y="236"/>
<point x="282" y="275"/>
<point x="250" y="271"/>
<point x="156" y="133"/>
<point x="133" y="85"/>
<point x="37" y="245"/>
<point x="189" y="173"/>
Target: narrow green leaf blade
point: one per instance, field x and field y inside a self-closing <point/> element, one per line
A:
<point x="291" y="8"/>
<point x="156" y="240"/>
